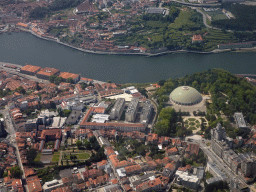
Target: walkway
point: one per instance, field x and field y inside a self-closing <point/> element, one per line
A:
<point x="196" y="118"/>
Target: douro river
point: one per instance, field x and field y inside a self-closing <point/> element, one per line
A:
<point x="22" y="48"/>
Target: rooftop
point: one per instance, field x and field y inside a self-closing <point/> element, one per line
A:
<point x="185" y="95"/>
<point x="48" y="71"/>
<point x="30" y="68"/>
<point x="66" y="75"/>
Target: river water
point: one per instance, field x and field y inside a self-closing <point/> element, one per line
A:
<point x="22" y="48"/>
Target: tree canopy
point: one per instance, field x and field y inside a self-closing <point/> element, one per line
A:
<point x="55" y="79"/>
<point x="70" y="80"/>
<point x="16" y="172"/>
<point x="166" y="124"/>
<point x="245" y="18"/>
<point x="38" y="13"/>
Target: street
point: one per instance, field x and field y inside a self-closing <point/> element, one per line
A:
<point x="11" y="137"/>
<point x="14" y="71"/>
<point x="217" y="160"/>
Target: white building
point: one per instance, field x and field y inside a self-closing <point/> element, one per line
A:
<point x="51" y="185"/>
<point x="187" y="180"/>
<point x="100" y="118"/>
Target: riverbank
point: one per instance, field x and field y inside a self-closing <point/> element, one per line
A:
<point x="118" y="53"/>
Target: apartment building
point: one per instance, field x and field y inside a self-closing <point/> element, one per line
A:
<point x="131" y="111"/>
<point x="146" y="112"/>
<point x="218" y="135"/>
<point x="118" y="108"/>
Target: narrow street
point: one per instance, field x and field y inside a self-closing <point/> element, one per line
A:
<point x="11" y="137"/>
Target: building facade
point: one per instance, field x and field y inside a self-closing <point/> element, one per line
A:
<point x="131" y="111"/>
<point x="118" y="108"/>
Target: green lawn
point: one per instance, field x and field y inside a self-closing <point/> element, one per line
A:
<point x="79" y="156"/>
<point x="83" y="156"/>
<point x="55" y="158"/>
<point x="192" y="123"/>
<point x="191" y="119"/>
<point x="216" y="15"/>
<point x="195" y="164"/>
<point x="38" y="157"/>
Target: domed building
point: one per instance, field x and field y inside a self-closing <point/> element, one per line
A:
<point x="185" y="95"/>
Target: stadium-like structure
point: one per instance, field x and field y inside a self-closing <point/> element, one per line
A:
<point x="185" y="95"/>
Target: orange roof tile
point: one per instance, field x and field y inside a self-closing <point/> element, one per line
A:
<point x="30" y="68"/>
<point x="47" y="71"/>
<point x="66" y="75"/>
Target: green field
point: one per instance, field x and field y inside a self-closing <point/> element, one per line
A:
<point x="83" y="156"/>
<point x="55" y="158"/>
<point x="216" y="15"/>
<point x="80" y="156"/>
<point x="38" y="157"/>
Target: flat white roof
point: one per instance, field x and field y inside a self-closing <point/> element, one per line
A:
<point x="100" y="118"/>
<point x="134" y="91"/>
<point x="126" y="96"/>
<point x="121" y="172"/>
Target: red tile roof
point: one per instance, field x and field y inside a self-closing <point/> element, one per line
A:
<point x="30" y="68"/>
<point x="66" y="75"/>
<point x="47" y="71"/>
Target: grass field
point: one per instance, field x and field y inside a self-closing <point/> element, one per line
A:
<point x="195" y="164"/>
<point x="192" y="128"/>
<point x="38" y="157"/>
<point x="192" y="123"/>
<point x="216" y="15"/>
<point x="83" y="156"/>
<point x="79" y="156"/>
<point x="55" y="158"/>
